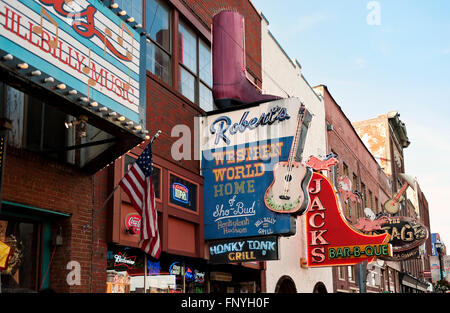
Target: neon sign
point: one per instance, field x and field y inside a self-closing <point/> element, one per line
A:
<point x="331" y="241"/>
<point x="224" y="123"/>
<point x="180" y="193"/>
<point x="128" y="261"/>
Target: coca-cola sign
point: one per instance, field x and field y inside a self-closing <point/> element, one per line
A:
<point x="133" y="223"/>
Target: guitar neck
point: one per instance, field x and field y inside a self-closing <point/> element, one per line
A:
<point x="300" y="120"/>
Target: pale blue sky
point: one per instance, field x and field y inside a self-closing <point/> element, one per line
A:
<point x="402" y="64"/>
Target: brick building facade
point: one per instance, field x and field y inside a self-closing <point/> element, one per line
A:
<point x="358" y="164"/>
<point x="62" y="201"/>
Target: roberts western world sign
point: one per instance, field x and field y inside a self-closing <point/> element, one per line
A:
<point x="80" y="43"/>
<point x="241" y="152"/>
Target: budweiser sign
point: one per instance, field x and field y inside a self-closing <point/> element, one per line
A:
<point x="133" y="223"/>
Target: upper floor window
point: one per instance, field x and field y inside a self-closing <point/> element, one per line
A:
<point x="195" y="71"/>
<point x="344" y="169"/>
<point x="351" y="273"/>
<point x="159" y="48"/>
<point x="364" y="196"/>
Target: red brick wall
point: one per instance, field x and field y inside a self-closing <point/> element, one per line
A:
<point x="166" y="107"/>
<point x="32" y="180"/>
<point x="344" y="141"/>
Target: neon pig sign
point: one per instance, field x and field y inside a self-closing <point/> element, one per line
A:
<point x="331" y="241"/>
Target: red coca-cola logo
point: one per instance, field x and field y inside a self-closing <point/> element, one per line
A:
<point x="133" y="223"/>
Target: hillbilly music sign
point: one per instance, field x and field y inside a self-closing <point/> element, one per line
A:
<point x="251" y="169"/>
<point x="330" y="240"/>
<point x="81" y="44"/>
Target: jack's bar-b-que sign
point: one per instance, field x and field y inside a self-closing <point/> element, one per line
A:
<point x="80" y="43"/>
<point x="330" y="239"/>
<point x="244" y="250"/>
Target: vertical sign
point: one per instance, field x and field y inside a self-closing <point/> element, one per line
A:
<point x="331" y="241"/>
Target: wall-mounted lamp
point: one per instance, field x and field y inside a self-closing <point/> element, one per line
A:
<point x="81" y="120"/>
<point x="36" y="73"/>
<point x="22" y="66"/>
<point x="61" y="86"/>
<point x="114" y="5"/>
<point x="130" y="20"/>
<point x="94" y="104"/>
<point x="122" y="13"/>
<point x="137" y="26"/>
<point x="147" y="136"/>
<point x="121" y="118"/>
<point x="49" y="80"/>
<point x="72" y="92"/>
<point x="8" y="57"/>
<point x="84" y="99"/>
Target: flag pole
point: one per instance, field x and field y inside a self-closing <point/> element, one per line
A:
<point x="145" y="254"/>
<point x="145" y="272"/>
<point x="118" y="184"/>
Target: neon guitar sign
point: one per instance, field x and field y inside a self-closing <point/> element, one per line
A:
<point x="288" y="191"/>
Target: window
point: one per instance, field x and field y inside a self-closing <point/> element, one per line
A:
<point x="355" y="187"/>
<point x="334" y="170"/>
<point x="195" y="71"/>
<point x="341" y="272"/>
<point x="345" y="169"/>
<point x="364" y="196"/>
<point x="22" y="273"/>
<point x="43" y="128"/>
<point x="376" y="205"/>
<point x="133" y="9"/>
<point x="159" y="47"/>
<point x="373" y="279"/>
<point x="355" y="182"/>
<point x="350" y="273"/>
<point x="370" y="200"/>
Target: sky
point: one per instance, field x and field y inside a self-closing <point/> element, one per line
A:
<point x="376" y="57"/>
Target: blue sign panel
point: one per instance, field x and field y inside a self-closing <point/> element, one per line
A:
<point x="79" y="48"/>
<point x="236" y="180"/>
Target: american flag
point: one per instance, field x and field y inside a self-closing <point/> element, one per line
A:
<point x="138" y="185"/>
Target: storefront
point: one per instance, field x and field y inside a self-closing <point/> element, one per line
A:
<point x="33" y="234"/>
<point x="411" y="284"/>
<point x="126" y="272"/>
<point x="182" y="266"/>
<point x="73" y="103"/>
